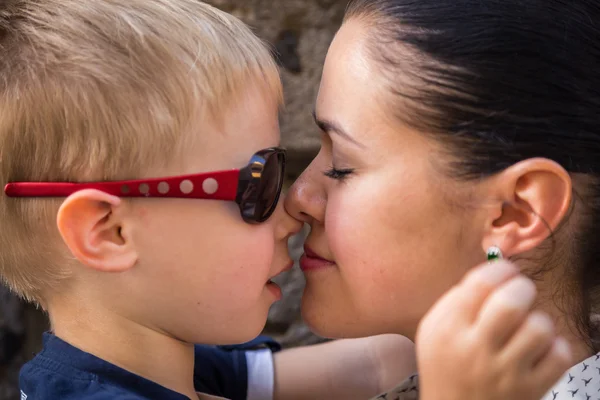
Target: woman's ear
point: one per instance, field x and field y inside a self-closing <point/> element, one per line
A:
<point x="534" y="197"/>
<point x="93" y="231"/>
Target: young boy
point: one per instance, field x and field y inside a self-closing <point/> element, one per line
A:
<point x="168" y="94"/>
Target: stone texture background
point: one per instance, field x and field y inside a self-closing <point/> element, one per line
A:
<point x="299" y="32"/>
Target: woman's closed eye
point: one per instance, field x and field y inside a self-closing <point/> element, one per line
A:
<point x="338" y="174"/>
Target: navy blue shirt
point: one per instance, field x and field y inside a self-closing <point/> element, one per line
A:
<point x="61" y="371"/>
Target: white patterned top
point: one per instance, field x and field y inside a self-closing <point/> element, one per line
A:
<point x="580" y="382"/>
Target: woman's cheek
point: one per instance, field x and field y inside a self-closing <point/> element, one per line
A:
<point x="348" y="226"/>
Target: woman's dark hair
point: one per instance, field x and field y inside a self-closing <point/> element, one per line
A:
<point x="501" y="81"/>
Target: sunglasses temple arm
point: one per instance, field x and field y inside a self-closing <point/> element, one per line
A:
<point x="221" y="185"/>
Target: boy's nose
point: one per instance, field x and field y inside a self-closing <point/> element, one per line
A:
<point x="287" y="224"/>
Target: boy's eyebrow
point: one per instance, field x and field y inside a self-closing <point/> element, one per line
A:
<point x="331" y="127"/>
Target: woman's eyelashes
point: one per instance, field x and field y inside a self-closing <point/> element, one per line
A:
<point x="338" y="174"/>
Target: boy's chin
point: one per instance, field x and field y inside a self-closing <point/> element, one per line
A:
<point x="242" y="330"/>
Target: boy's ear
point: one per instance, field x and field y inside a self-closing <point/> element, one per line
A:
<point x="91" y="227"/>
<point x="532" y="199"/>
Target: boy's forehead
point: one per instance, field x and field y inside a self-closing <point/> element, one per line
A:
<point x="250" y="124"/>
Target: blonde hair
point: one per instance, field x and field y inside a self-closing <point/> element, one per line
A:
<point x="100" y="90"/>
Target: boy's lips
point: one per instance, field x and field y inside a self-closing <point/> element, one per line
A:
<point x="274" y="287"/>
<point x="312" y="261"/>
<point x="288" y="267"/>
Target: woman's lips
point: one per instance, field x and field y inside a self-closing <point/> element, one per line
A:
<point x="311" y="261"/>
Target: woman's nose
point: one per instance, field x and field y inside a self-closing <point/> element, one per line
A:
<point x="306" y="199"/>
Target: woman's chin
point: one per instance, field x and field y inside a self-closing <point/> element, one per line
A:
<point x="329" y="323"/>
<point x="330" y="317"/>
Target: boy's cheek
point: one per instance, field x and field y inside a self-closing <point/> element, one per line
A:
<point x="142" y="213"/>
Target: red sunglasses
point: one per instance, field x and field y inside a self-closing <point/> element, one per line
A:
<point x="255" y="188"/>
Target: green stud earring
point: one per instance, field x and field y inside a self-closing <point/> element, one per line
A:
<point x="494" y="254"/>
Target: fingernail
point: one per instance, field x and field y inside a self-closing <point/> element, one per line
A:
<point x="496" y="272"/>
<point x="541" y="320"/>
<point x="562" y="348"/>
<point x="520" y="290"/>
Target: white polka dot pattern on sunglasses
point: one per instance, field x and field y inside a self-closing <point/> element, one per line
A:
<point x="210" y="186"/>
<point x="144" y="189"/>
<point x="163" y="188"/>
<point x="186" y="186"/>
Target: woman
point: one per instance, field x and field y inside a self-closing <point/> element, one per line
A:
<point x="453" y="130"/>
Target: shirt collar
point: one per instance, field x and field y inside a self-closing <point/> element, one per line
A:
<point x="57" y="349"/>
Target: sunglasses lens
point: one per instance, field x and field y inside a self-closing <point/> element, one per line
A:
<point x="260" y="185"/>
<point x="269" y="187"/>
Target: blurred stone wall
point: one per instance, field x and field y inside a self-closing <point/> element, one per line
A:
<point x="299" y="32"/>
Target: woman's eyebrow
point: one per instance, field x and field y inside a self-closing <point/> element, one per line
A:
<point x="331" y="127"/>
